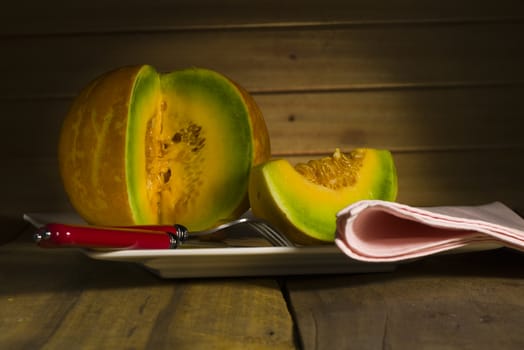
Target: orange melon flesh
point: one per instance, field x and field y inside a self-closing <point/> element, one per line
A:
<point x="139" y="147"/>
<point x="305" y="210"/>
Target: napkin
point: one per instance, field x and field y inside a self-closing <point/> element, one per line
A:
<point x="381" y="231"/>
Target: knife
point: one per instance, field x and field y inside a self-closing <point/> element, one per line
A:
<point x="59" y="235"/>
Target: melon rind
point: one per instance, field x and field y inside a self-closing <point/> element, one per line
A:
<point x="144" y="104"/>
<point x="91" y="149"/>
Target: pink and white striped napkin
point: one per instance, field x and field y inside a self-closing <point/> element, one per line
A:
<point x="380" y="231"/>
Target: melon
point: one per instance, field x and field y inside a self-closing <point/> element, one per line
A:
<point x="302" y="201"/>
<point x="142" y="147"/>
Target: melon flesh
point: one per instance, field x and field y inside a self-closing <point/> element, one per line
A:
<point x="198" y="148"/>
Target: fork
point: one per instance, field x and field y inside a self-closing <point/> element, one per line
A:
<point x="54" y="235"/>
<point x="246" y="226"/>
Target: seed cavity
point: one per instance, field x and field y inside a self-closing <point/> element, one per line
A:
<point x="180" y="154"/>
<point x="191" y="136"/>
<point x="338" y="171"/>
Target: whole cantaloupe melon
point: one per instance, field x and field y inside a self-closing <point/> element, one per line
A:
<point x="141" y="147"/>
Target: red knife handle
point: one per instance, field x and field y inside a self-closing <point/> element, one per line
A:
<point x="62" y="235"/>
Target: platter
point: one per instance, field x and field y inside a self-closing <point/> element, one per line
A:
<point x="224" y="261"/>
<point x="229" y="261"/>
<point x="252" y="261"/>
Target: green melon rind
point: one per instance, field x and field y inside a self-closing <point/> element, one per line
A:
<point x="385" y="186"/>
<point x="145" y="90"/>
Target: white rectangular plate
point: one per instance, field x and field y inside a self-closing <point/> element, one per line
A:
<point x="236" y="262"/>
<point x="225" y="262"/>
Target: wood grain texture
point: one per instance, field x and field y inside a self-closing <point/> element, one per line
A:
<point x="470" y="301"/>
<point x="276" y="59"/>
<point x="33" y="17"/>
<point x="66" y="300"/>
<point x="401" y="120"/>
<point x="439" y="83"/>
<point x="404" y="77"/>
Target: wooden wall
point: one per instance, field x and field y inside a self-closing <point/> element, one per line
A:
<point x="440" y="83"/>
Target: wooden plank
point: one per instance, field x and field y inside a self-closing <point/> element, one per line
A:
<point x="31" y="185"/>
<point x="56" y="16"/>
<point x="31" y="127"/>
<point x="285" y="59"/>
<point x="461" y="178"/>
<point x="62" y="299"/>
<point x="467" y="301"/>
<point x="401" y="120"/>
<point x="425" y="178"/>
<point x="317" y="123"/>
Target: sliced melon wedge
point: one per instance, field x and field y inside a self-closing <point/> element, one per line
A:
<point x="302" y="201"/>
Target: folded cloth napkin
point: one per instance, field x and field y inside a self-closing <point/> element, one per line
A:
<point x="380" y="231"/>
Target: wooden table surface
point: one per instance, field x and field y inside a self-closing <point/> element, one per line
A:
<point x="61" y="299"/>
<point x="439" y="83"/>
